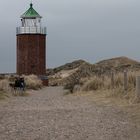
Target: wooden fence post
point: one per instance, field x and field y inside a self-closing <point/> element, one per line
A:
<point x="112" y="79"/>
<point x="138" y="86"/>
<point x="125" y="80"/>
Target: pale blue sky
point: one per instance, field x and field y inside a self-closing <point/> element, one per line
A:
<point x="92" y="30"/>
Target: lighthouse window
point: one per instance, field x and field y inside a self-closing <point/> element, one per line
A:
<point x="29" y="22"/>
<point x="34" y="22"/>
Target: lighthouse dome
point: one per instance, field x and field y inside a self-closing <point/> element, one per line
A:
<point x="30" y="13"/>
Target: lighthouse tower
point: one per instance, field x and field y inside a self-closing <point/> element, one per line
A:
<point x="31" y="44"/>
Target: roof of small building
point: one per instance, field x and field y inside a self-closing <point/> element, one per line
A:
<point x="30" y="13"/>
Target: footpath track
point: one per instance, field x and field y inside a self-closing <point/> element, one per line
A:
<point x="48" y="114"/>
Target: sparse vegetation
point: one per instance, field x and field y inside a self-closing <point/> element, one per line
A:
<point x="98" y="78"/>
<point x="32" y="82"/>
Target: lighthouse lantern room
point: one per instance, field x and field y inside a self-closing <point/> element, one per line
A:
<point x="31" y="22"/>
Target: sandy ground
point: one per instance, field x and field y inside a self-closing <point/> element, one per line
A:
<point x="48" y="114"/>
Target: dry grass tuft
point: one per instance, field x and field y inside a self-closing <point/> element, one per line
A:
<point x="94" y="83"/>
<point x="4" y="88"/>
<point x="3" y="95"/>
<point x="4" y="85"/>
<point x="33" y="82"/>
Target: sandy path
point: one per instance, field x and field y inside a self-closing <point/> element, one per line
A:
<point x="48" y="114"/>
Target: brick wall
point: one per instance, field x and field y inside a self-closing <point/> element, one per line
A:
<point x="31" y="54"/>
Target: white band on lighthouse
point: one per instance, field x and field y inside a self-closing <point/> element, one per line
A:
<point x="31" y="30"/>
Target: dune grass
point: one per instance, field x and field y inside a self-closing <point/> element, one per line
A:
<point x="31" y="81"/>
<point x="102" y="85"/>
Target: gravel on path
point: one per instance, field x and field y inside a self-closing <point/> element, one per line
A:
<point x="48" y="114"/>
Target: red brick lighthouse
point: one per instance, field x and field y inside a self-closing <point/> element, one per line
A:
<point x="31" y="44"/>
